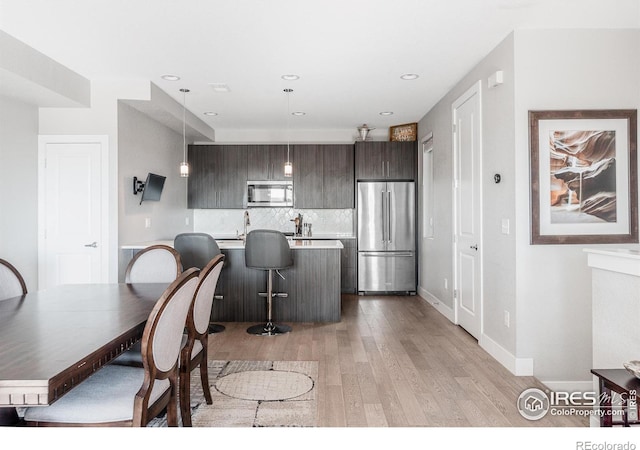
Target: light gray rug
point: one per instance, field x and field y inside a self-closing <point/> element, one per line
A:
<point x="255" y="394"/>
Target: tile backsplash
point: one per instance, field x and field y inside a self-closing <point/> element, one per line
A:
<point x="229" y="222"/>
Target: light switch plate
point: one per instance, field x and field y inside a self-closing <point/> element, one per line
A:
<point x="505" y="226"/>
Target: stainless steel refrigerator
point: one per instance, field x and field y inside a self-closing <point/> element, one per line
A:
<point x="386" y="237"/>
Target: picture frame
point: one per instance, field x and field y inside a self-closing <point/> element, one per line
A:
<point x="584" y="182"/>
<point x="404" y="133"/>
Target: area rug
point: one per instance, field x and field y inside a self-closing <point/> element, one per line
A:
<point x="255" y="394"/>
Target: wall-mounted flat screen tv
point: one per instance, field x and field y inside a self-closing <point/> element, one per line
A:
<point x="152" y="187"/>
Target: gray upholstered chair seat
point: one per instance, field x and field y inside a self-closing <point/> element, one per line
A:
<point x="112" y="387"/>
<point x="133" y="357"/>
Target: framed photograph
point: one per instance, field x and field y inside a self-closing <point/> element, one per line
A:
<point x="584" y="181"/>
<point x="406" y="132"/>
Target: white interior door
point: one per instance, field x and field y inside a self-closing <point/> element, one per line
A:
<point x="468" y="221"/>
<point x="72" y="247"/>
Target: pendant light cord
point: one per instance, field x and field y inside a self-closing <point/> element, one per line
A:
<point x="288" y="129"/>
<point x="184" y="126"/>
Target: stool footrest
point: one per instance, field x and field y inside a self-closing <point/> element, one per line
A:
<point x="275" y="294"/>
<point x="269" y="329"/>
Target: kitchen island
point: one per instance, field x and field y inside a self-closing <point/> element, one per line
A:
<point x="312" y="284"/>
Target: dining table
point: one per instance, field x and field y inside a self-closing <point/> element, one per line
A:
<point x="53" y="339"/>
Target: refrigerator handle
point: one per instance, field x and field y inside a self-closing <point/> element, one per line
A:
<point x="389" y="216"/>
<point x="384" y="236"/>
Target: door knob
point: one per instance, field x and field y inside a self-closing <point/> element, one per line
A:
<point x="474" y="247"/>
<point x="94" y="244"/>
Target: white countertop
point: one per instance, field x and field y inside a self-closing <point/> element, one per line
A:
<point x="325" y="236"/>
<point x="622" y="260"/>
<point x="230" y="244"/>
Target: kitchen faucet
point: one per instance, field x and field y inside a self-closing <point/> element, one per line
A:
<point x="247" y="222"/>
<point x="298" y="225"/>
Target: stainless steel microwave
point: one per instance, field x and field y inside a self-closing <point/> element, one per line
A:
<point x="270" y="193"/>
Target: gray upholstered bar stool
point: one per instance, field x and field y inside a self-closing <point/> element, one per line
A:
<point x="268" y="250"/>
<point x="196" y="250"/>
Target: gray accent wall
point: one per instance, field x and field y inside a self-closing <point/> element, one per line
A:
<point x="545" y="288"/>
<point x="145" y="145"/>
<point x="19" y="187"/>
<point x="562" y="69"/>
<point x="436" y="262"/>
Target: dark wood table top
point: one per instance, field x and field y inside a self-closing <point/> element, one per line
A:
<point x="53" y="339"/>
<point x="618" y="378"/>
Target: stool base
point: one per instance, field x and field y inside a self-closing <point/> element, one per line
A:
<point x="216" y="328"/>
<point x="268" y="329"/>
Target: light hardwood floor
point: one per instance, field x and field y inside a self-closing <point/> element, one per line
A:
<point x="394" y="361"/>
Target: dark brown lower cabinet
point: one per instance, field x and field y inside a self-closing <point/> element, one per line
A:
<point x="231" y="287"/>
<point x="348" y="259"/>
<point x="312" y="284"/>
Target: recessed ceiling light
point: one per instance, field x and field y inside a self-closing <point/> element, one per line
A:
<point x="170" y="77"/>
<point x="220" y="87"/>
<point x="409" y="76"/>
<point x="210" y="113"/>
<point x="386" y="113"/>
<point x="290" y="77"/>
<point x="298" y="113"/>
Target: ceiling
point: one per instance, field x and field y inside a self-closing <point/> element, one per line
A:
<point x="349" y="54"/>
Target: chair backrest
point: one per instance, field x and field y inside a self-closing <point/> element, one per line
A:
<point x="11" y="282"/>
<point x="200" y="312"/>
<point x="196" y="249"/>
<point x="267" y="249"/>
<point x="162" y="336"/>
<point x="154" y="264"/>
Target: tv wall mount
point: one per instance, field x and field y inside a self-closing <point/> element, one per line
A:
<point x="138" y="186"/>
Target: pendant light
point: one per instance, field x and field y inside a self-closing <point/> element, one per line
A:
<point x="288" y="167"/>
<point x="184" y="165"/>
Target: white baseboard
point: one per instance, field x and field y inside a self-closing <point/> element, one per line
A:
<point x="568" y="386"/>
<point x="443" y="309"/>
<point x="517" y="366"/>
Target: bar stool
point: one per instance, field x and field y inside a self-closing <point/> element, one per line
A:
<point x="197" y="250"/>
<point x="268" y="250"/>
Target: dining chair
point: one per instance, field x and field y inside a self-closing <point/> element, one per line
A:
<point x="195" y="352"/>
<point x="154" y="264"/>
<point x="123" y="395"/>
<point x="11" y="282"/>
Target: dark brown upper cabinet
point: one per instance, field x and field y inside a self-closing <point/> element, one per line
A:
<point x="266" y="162"/>
<point x="323" y="176"/>
<point x="218" y="177"/>
<point x="377" y="160"/>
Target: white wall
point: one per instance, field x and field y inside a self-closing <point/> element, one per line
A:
<point x="19" y="187"/>
<point x="562" y="69"/>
